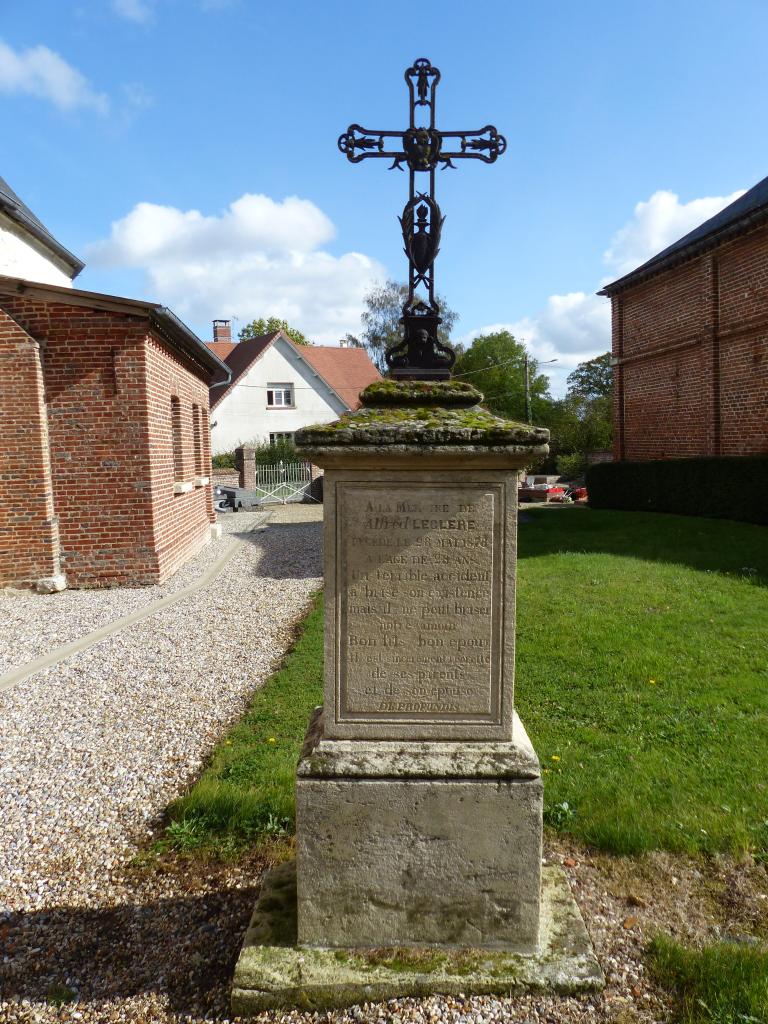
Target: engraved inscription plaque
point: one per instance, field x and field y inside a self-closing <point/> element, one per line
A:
<point x="419" y="603"/>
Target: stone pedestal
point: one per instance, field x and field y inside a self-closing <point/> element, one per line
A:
<point x="413" y="844"/>
<point x="418" y="793"/>
<point x="419" y="804"/>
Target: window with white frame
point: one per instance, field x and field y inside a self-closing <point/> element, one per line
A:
<point x="281" y="436"/>
<point x="279" y="396"/>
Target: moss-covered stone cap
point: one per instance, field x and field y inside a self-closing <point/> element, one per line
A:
<point x="421" y="414"/>
<point x="420" y="393"/>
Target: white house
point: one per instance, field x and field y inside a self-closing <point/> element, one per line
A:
<point x="27" y="249"/>
<point x="278" y="387"/>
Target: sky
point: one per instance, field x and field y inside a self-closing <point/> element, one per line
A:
<point x="187" y="150"/>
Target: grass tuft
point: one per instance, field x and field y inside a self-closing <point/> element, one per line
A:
<point x="246" y="794"/>
<point x="720" y="984"/>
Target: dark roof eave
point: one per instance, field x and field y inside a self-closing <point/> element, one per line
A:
<point x="178" y="334"/>
<point x="41" y="234"/>
<point x="749" y="221"/>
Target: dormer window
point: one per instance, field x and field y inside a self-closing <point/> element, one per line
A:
<point x="279" y="396"/>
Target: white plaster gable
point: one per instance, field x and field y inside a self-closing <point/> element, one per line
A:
<point x="23" y="255"/>
<point x="242" y="416"/>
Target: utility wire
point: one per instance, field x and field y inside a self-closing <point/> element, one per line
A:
<point x="491" y="366"/>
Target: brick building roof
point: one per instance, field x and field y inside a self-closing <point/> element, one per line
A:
<point x="160" y="318"/>
<point x="16" y="210"/>
<point x="745" y="213"/>
<point x="345" y="370"/>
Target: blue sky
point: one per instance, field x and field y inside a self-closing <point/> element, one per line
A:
<point x="187" y="149"/>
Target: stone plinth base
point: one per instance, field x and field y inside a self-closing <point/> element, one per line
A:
<point x="273" y="973"/>
<point x="51" y="584"/>
<point x="419" y="843"/>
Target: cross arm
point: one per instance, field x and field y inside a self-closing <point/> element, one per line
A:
<point x="358" y="143"/>
<point x="484" y="144"/>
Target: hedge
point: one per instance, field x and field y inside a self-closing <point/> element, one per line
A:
<point x="719" y="487"/>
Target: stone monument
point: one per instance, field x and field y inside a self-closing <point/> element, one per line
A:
<point x="418" y="785"/>
<point x="418" y="792"/>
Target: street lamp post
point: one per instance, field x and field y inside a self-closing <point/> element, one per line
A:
<point x="528" y="387"/>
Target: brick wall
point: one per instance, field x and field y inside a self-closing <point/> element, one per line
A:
<point x="181" y="521"/>
<point x="29" y="541"/>
<point x="108" y="385"/>
<point x="692" y="376"/>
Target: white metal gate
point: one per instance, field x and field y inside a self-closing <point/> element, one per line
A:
<point x="284" y="482"/>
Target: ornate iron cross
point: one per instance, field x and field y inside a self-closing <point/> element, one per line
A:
<point x="421" y="355"/>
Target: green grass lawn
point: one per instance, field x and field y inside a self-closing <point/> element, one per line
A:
<point x="246" y="792"/>
<point x="642" y="678"/>
<point x="722" y="984"/>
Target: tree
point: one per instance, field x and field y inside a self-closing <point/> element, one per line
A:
<point x="351" y="341"/>
<point x="257" y="328"/>
<point x="592" y="379"/>
<point x="583" y="420"/>
<point x="495" y="364"/>
<point x="381" y="320"/>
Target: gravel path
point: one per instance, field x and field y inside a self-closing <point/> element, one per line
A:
<point x="33" y="623"/>
<point x="94" y="747"/>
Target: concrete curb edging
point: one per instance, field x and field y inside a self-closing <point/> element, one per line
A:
<point x="22" y="672"/>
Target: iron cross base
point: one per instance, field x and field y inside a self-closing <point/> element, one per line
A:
<point x="419" y="373"/>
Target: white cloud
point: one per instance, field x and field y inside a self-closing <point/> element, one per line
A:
<point x="133" y="10"/>
<point x="41" y="72"/>
<point x="656" y="224"/>
<point x="577" y="326"/>
<point x="257" y="258"/>
<point x="571" y="328"/>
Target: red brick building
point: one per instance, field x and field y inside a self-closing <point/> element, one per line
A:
<point x="105" y="438"/>
<point x="690" y="341"/>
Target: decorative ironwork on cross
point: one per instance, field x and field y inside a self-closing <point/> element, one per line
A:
<point x="420" y="354"/>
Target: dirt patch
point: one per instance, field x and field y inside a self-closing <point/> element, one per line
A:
<point x="627" y="900"/>
<point x="165" y="950"/>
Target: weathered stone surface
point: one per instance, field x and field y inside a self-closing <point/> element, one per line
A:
<point x="420" y="585"/>
<point x="420" y="393"/>
<point x="425" y="426"/>
<point x="437" y="858"/>
<point x="423" y="759"/>
<point x="51" y="584"/>
<point x="423" y="414"/>
<point x="273" y="973"/>
<point x="419" y="797"/>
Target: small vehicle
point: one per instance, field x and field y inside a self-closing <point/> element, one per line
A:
<point x="233" y="499"/>
<point x="220" y="501"/>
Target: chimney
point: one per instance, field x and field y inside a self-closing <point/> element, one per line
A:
<point x="222" y="330"/>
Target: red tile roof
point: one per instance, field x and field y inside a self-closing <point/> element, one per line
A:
<point x="221" y="348"/>
<point x="242" y="357"/>
<point x="347" y="370"/>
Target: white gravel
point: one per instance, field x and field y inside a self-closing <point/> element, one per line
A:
<point x="33" y="624"/>
<point x="95" y="747"/>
